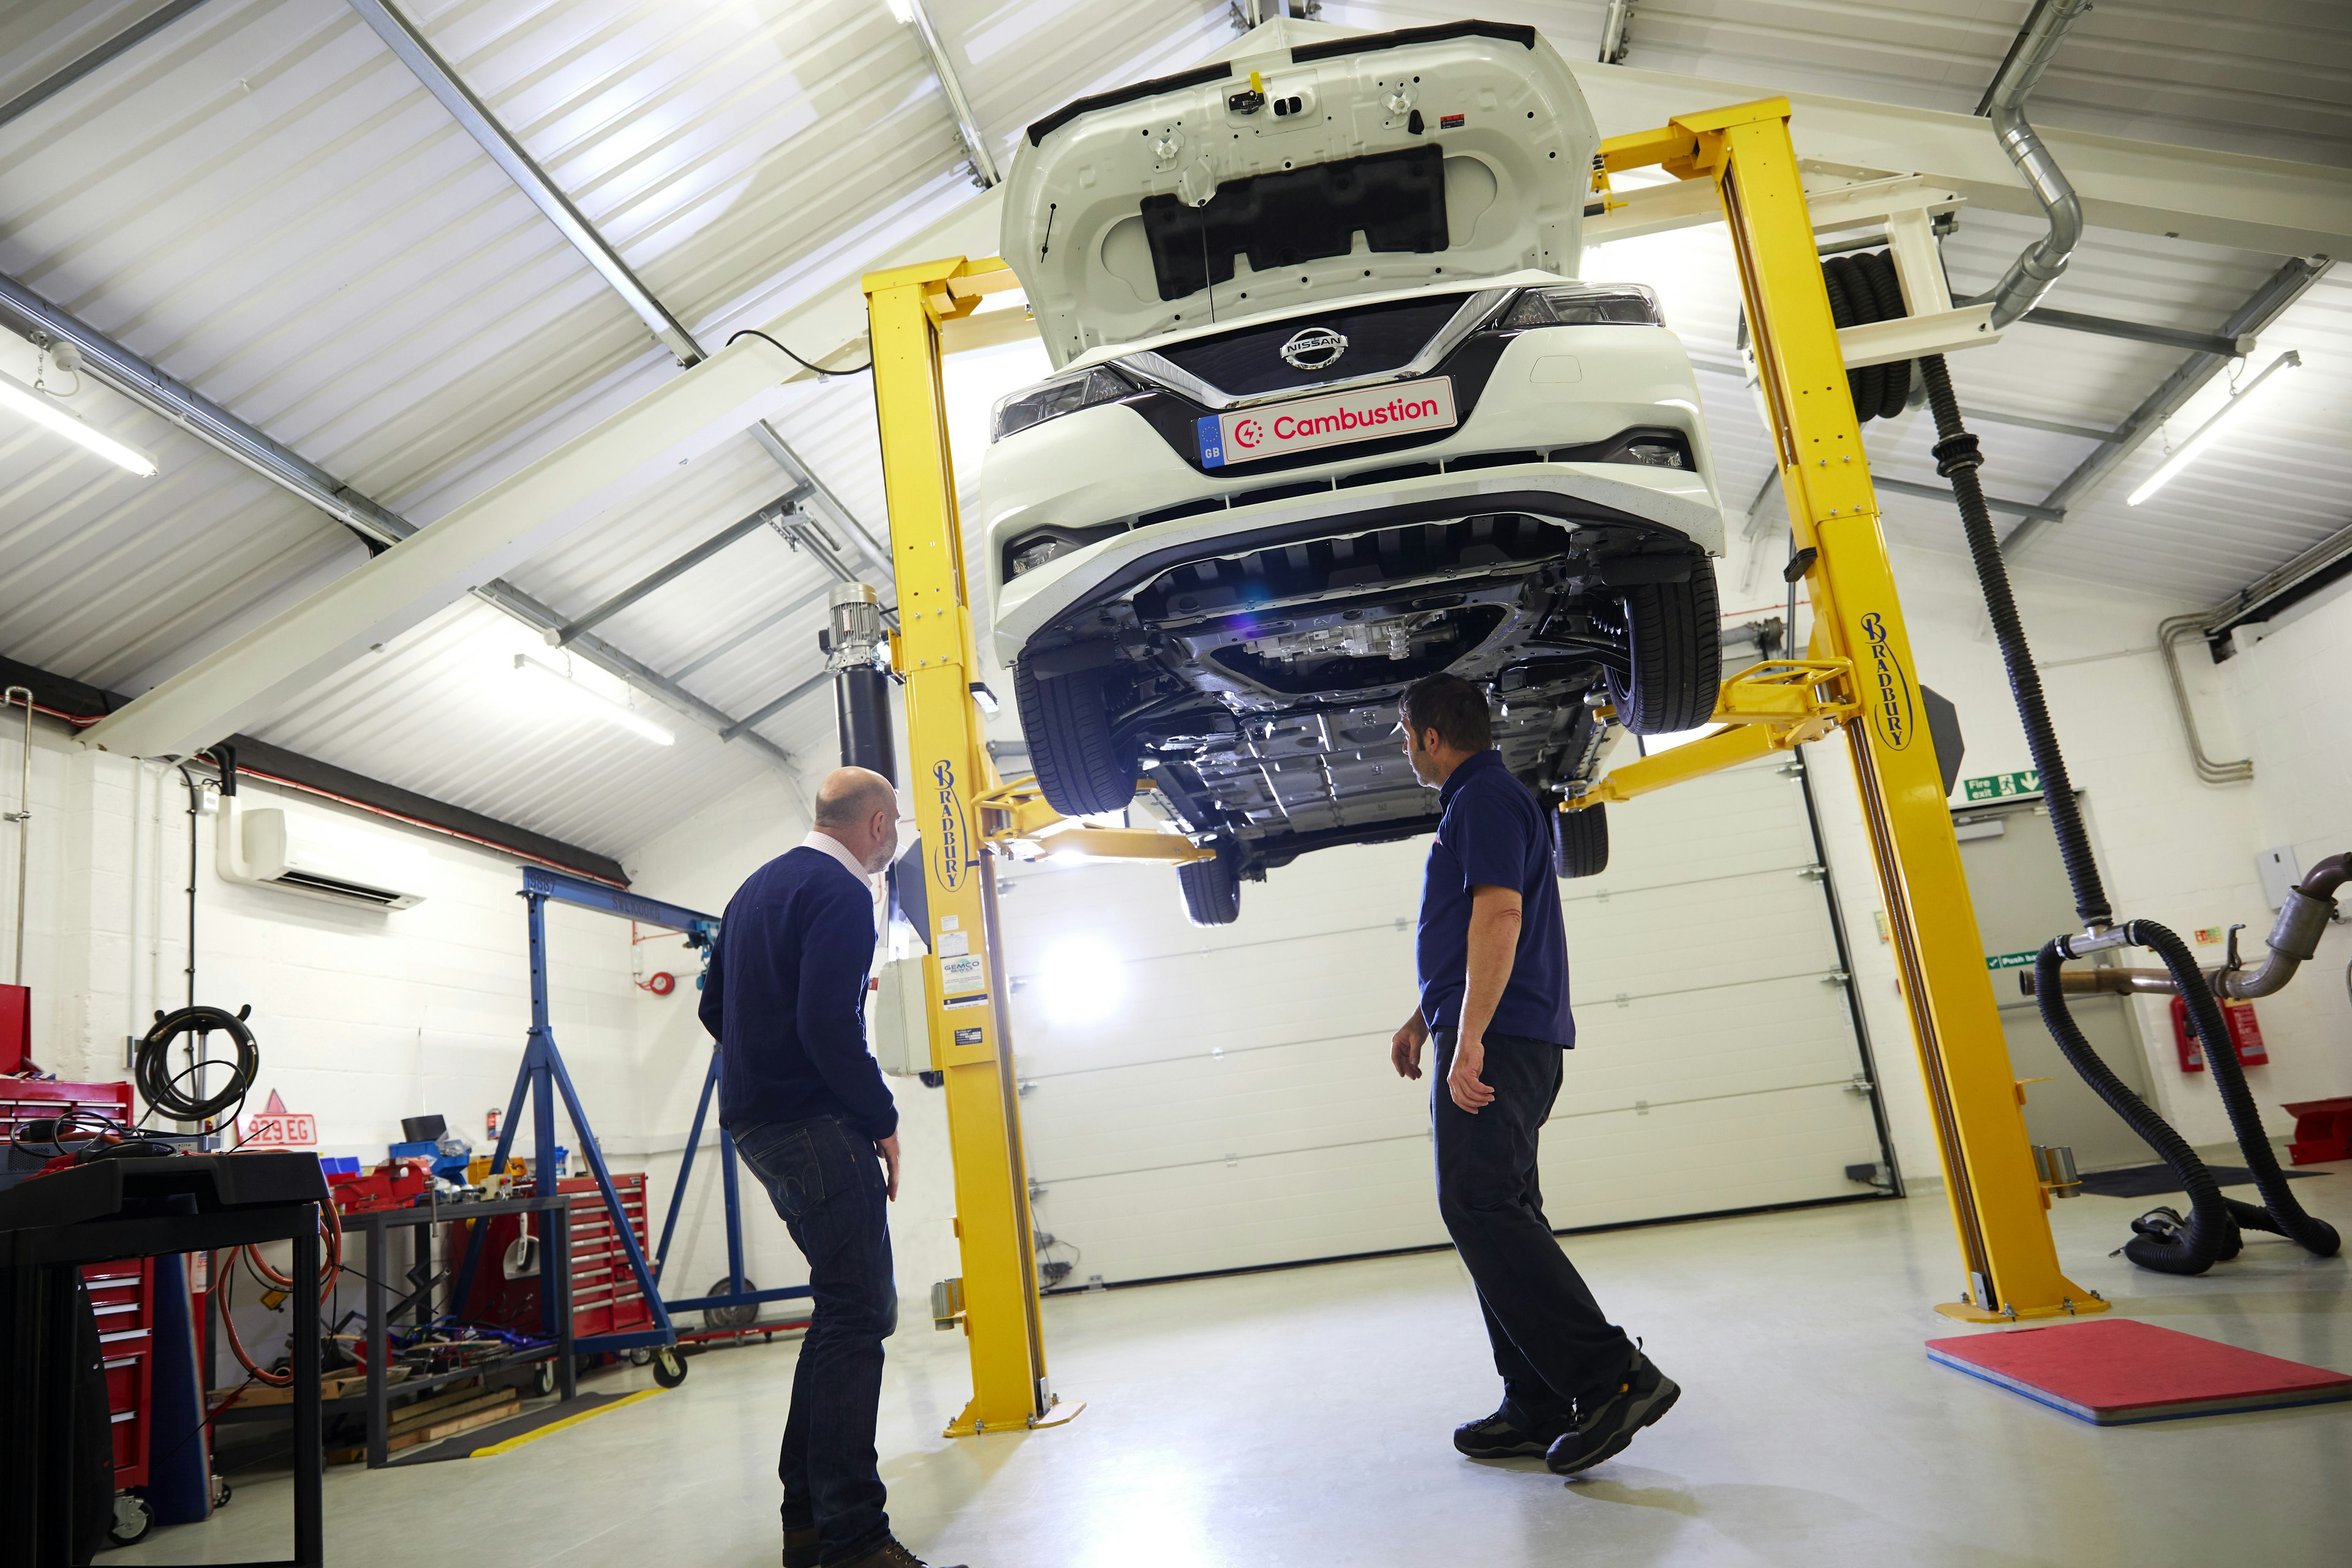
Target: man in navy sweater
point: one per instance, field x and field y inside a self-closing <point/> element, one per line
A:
<point x="1493" y="957"/>
<point x="806" y="1103"/>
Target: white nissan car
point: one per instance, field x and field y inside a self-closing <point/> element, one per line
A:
<point x="1333" y="411"/>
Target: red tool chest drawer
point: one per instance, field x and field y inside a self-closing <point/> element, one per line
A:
<point x="606" y="1299"/>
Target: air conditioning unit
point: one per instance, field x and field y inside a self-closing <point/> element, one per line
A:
<point x="319" y="856"/>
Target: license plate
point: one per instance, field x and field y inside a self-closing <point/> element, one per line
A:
<point x="1274" y="430"/>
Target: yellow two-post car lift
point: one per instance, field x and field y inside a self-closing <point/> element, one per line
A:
<point x="1858" y="676"/>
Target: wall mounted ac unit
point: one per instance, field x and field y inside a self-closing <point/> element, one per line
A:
<point x="319" y="856"/>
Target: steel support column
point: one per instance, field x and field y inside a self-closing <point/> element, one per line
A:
<point x="964" y="979"/>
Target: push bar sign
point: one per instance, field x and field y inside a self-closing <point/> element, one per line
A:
<point x="1277" y="429"/>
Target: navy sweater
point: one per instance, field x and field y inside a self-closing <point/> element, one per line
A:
<point x="785" y="997"/>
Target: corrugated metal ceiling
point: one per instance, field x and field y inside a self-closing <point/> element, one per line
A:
<point x="262" y="200"/>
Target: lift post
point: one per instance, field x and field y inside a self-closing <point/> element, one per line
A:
<point x="964" y="980"/>
<point x="1860" y="675"/>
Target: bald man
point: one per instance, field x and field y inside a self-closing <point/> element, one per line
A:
<point x="804" y="1100"/>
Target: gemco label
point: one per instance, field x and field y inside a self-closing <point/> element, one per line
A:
<point x="1271" y="430"/>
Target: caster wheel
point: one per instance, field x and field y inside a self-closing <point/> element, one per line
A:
<point x="542" y="1378"/>
<point x="669" y="1367"/>
<point x="132" y="1519"/>
<point x="221" y="1491"/>
<point x="641" y="1356"/>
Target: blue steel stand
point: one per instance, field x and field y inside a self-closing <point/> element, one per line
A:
<point x="542" y="1077"/>
<point x="735" y="1294"/>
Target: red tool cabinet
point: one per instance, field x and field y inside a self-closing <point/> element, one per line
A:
<point x="121" y="1294"/>
<point x="605" y="1298"/>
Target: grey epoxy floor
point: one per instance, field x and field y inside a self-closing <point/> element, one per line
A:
<point x="1302" y="1419"/>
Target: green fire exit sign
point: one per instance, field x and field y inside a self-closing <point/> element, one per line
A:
<point x="1995" y="786"/>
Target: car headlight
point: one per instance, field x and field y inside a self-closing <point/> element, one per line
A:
<point x="1052" y="399"/>
<point x="1585" y="305"/>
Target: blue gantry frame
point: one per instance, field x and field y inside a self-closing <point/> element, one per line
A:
<point x="542" y="1077"/>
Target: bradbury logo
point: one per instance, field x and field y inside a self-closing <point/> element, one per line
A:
<point x="1889" y="698"/>
<point x="1317" y="348"/>
<point x="951" y="846"/>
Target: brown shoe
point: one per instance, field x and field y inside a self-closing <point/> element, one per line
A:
<point x="800" y="1549"/>
<point x="889" y="1554"/>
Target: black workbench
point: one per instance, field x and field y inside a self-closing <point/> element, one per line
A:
<point x="50" y="1227"/>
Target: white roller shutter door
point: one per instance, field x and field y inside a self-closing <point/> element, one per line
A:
<point x="1234" y="1107"/>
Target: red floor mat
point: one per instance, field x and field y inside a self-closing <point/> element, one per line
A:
<point x="2118" y="1370"/>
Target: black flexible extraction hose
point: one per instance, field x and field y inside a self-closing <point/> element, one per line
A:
<point x="1865" y="288"/>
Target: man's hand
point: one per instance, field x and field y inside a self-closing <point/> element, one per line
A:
<point x="1469" y="1091"/>
<point x="1404" y="1047"/>
<point x="889" y="1148"/>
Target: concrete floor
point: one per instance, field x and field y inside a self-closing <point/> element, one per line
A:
<point x="1302" y="1419"/>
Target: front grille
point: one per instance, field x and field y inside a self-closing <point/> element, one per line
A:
<point x="1381" y="338"/>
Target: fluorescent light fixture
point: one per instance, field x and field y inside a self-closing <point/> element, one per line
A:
<point x="21" y="399"/>
<point x="550" y="681"/>
<point x="904" y="10"/>
<point x="2211" y="430"/>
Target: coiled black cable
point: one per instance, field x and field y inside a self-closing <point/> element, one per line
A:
<point x="1864" y="287"/>
<point x="161" y="1087"/>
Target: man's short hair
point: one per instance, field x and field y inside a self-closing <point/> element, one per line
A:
<point x="1453" y="706"/>
<point x="849" y="796"/>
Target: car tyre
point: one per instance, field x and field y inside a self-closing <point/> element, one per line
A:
<point x="1081" y="766"/>
<point x="1213" y="891"/>
<point x="1580" y="841"/>
<point x="1673" y="636"/>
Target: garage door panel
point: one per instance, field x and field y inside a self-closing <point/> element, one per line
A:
<point x="1244" y="998"/>
<point x="1319" y="1203"/>
<point x="1750" y="819"/>
<point x="1617" y="1167"/>
<point x="1202" y="1108"/>
<point x="1792" y="1146"/>
<point x="1737" y="1039"/>
<point x="1759" y="927"/>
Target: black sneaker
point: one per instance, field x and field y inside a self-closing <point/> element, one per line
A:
<point x="1603" y="1431"/>
<point x="1500" y="1438"/>
<point x="888" y="1554"/>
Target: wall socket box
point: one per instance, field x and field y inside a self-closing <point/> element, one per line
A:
<point x="2280" y="871"/>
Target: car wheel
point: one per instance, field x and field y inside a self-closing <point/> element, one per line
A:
<point x="1674" y="635"/>
<point x="1081" y="767"/>
<point x="1212" y="892"/>
<point x="1580" y="842"/>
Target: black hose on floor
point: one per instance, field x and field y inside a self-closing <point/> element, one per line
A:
<point x="1863" y="289"/>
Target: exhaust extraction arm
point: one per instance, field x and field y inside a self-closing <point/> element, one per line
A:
<point x="2294" y="942"/>
<point x="2038" y="267"/>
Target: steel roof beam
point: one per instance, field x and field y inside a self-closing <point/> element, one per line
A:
<point x="2025" y="509"/>
<point x="2265" y="305"/>
<point x="2133" y="331"/>
<point x="405" y="41"/>
<point x="782" y="612"/>
<point x="762" y="715"/>
<point x="56" y="81"/>
<point x="775" y="511"/>
<point x="975" y="142"/>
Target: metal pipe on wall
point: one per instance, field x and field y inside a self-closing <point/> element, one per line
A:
<point x="23" y="817"/>
<point x="2170" y="634"/>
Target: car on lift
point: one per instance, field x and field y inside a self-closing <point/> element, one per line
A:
<point x="1331" y="411"/>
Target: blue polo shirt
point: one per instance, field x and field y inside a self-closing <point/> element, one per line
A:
<point x="1492" y="833"/>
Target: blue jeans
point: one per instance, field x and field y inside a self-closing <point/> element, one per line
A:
<point x="828" y="1184"/>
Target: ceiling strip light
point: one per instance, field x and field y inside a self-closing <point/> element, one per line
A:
<point x="15" y="394"/>
<point x="593" y="704"/>
<point x="2186" y="453"/>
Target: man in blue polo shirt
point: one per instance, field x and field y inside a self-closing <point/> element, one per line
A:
<point x="806" y="1103"/>
<point x="1493" y="963"/>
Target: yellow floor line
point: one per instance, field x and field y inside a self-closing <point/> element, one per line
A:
<point x="536" y="1433"/>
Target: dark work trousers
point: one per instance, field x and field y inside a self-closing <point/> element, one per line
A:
<point x="1552" y="1342"/>
<point x="828" y="1186"/>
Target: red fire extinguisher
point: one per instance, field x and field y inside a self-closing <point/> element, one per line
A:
<point x="2245" y="1036"/>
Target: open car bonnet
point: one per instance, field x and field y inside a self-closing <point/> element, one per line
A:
<point x="1310" y="164"/>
